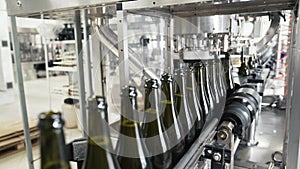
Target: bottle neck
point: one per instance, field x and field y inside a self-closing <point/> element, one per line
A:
<point x="151" y="101"/>
<point x="129" y="107"/>
<point x="98" y="128"/>
<point x="167" y="92"/>
<point x="53" y="149"/>
<point x="128" y="116"/>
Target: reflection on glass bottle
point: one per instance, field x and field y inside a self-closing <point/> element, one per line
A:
<point x="99" y="151"/>
<point x="131" y="149"/>
<point x="186" y="118"/>
<point x="207" y="85"/>
<point x="211" y="69"/>
<point x="192" y="93"/>
<point x="227" y="66"/>
<point x="169" y="114"/>
<point x="153" y="128"/>
<point x="52" y="141"/>
<point x="203" y="96"/>
<point x="220" y="77"/>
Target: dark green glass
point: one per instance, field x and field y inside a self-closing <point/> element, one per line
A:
<point x="207" y="83"/>
<point x="243" y="69"/>
<point x="211" y="69"/>
<point x="250" y="63"/>
<point x="131" y="149"/>
<point x="153" y="128"/>
<point x="204" y="99"/>
<point x="185" y="116"/>
<point x="169" y="114"/>
<point x="220" y="77"/>
<point x="99" y="100"/>
<point x="99" y="151"/>
<point x="192" y="93"/>
<point x="52" y="141"/>
<point x="227" y="66"/>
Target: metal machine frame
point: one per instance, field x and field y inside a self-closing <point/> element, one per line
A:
<point x="167" y="8"/>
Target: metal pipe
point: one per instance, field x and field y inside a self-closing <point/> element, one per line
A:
<point x="88" y="53"/>
<point x="109" y="39"/>
<point x="80" y="69"/>
<point x="193" y="154"/>
<point x="16" y="47"/>
<point x="123" y="47"/>
<point x="44" y="44"/>
<point x="170" y="44"/>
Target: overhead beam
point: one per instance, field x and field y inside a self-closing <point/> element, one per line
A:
<point x="256" y="6"/>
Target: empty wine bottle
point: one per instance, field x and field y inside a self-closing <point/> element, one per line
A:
<point x="220" y="77"/>
<point x="99" y="151"/>
<point x="52" y="141"/>
<point x="250" y="63"/>
<point x="153" y="128"/>
<point x="211" y="68"/>
<point x="192" y="93"/>
<point x="185" y="116"/>
<point x="131" y="149"/>
<point x="207" y="83"/>
<point x="227" y="66"/>
<point x="203" y="96"/>
<point x="99" y="100"/>
<point x="169" y="114"/>
<point x="243" y="70"/>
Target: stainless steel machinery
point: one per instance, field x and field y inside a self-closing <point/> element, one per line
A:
<point x="144" y="38"/>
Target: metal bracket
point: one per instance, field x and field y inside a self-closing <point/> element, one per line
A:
<point x="218" y="154"/>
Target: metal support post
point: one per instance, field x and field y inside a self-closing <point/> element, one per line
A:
<point x="96" y="60"/>
<point x="79" y="53"/>
<point x="292" y="134"/>
<point x="123" y="46"/>
<point x="88" y="65"/>
<point x="170" y="44"/>
<point x="16" y="47"/>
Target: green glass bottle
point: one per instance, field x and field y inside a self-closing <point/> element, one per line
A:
<point x="227" y="67"/>
<point x="192" y="93"/>
<point x="131" y="149"/>
<point x="211" y="69"/>
<point x="169" y="114"/>
<point x="153" y="128"/>
<point x="250" y="63"/>
<point x="52" y="141"/>
<point x="99" y="150"/>
<point x="99" y="100"/>
<point x="243" y="68"/>
<point x="220" y="77"/>
<point x="203" y="98"/>
<point x="208" y="85"/>
<point x="185" y="116"/>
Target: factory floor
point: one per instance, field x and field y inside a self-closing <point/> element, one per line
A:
<point x="270" y="129"/>
<point x="37" y="98"/>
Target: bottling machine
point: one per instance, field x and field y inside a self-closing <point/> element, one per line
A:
<point x="125" y="42"/>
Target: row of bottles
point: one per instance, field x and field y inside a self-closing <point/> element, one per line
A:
<point x="175" y="111"/>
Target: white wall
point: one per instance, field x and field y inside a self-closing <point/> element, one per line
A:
<point x="6" y="69"/>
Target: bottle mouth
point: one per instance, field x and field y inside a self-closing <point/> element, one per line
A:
<point x="151" y="83"/>
<point x="166" y="77"/>
<point x="50" y="120"/>
<point x="101" y="102"/>
<point x="129" y="91"/>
